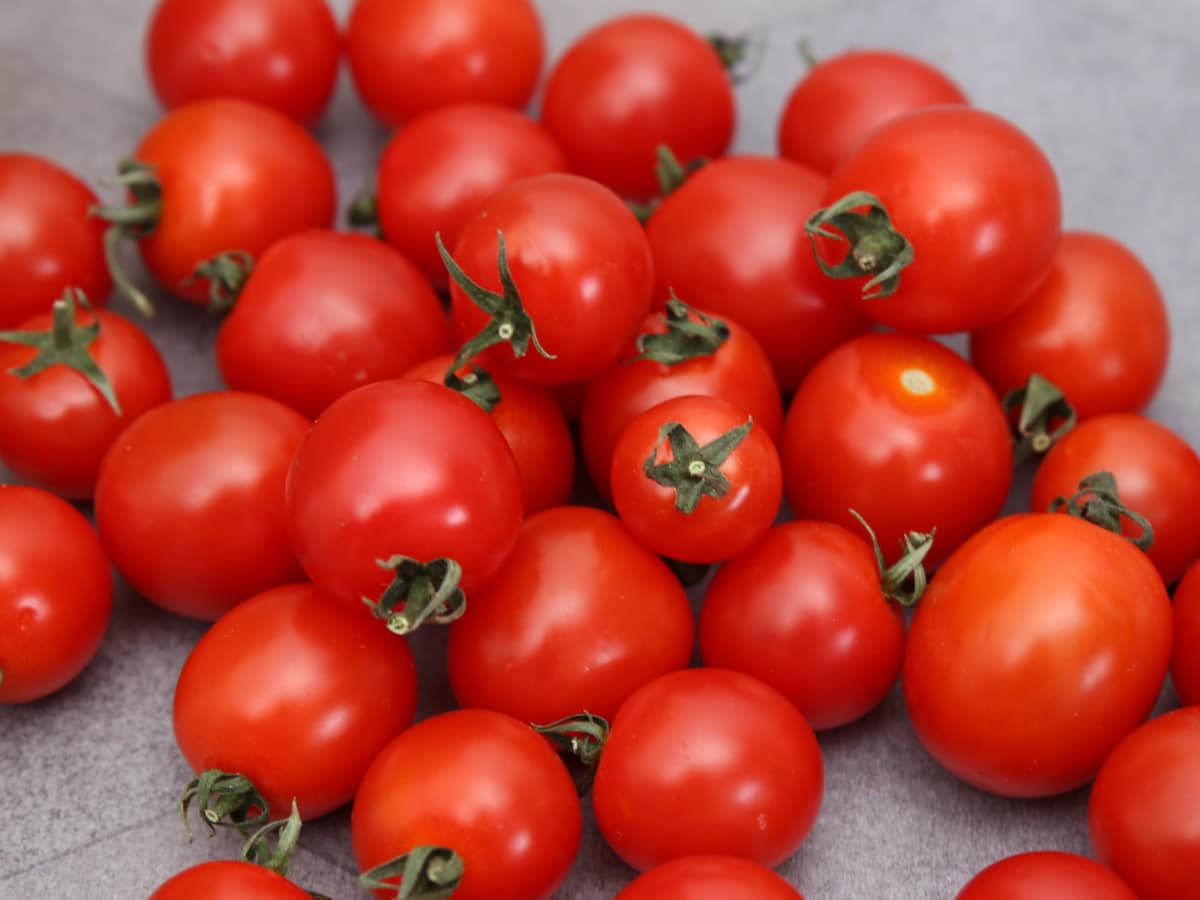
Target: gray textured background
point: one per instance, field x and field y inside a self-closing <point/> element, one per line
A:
<point x="88" y="778"/>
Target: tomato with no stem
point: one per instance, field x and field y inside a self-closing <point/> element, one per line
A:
<point x="229" y="879"/>
<point x="709" y="878"/>
<point x="1185" y="651"/>
<point x="1046" y="875"/>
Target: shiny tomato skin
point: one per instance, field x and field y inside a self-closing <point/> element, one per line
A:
<point x="331" y="688"/>
<point x="728" y="765"/>
<point x="904" y="431"/>
<point x="55" y="427"/>
<point x="633" y="84"/>
<point x="1157" y="473"/>
<point x="840" y="100"/>
<point x="189" y="501"/>
<point x="1185" y="650"/>
<point x="581" y="262"/>
<point x="979" y="202"/>
<point x="234" y="176"/>
<point x="1048" y="875"/>
<point x="440" y="167"/>
<point x="731" y="241"/>
<point x="449" y="780"/>
<point x="1037" y="647"/>
<point x="412" y="57"/>
<point x="229" y="879"/>
<point x="802" y="610"/>
<point x="1097" y="327"/>
<point x="48" y="242"/>
<point x="325" y="312"/>
<point x="1142" y="810"/>
<point x="55" y="593"/>
<point x="281" y="53"/>
<point x="709" y="878"/>
<point x="579" y="617"/>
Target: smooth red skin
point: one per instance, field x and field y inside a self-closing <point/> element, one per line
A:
<point x="1097" y="327"/>
<point x="534" y="427"/>
<point x="401" y="468"/>
<point x="235" y="176"/>
<point x="802" y="610"/>
<point x="483" y="784"/>
<point x="48" y="242"/>
<point x="581" y="262"/>
<point x="412" y="57"/>
<point x="1040" y="644"/>
<point x="856" y="438"/>
<point x="55" y="427"/>
<point x="229" y="879"/>
<point x="978" y="200"/>
<point x="1047" y="875"/>
<point x="331" y="688"/>
<point x="439" y="168"/>
<point x="55" y="593"/>
<point x="579" y="617"/>
<point x="326" y="312"/>
<point x="718" y="528"/>
<point x="709" y="878"/>
<point x="739" y="371"/>
<point x="1158" y="476"/>
<point x="842" y="99"/>
<point x="731" y="240"/>
<point x="189" y="501"/>
<point x="1142" y="810"/>
<point x="631" y="85"/>
<point x="1185" y="651"/>
<point x="281" y="53"/>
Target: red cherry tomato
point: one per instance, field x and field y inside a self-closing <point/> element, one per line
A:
<point x="48" y="242"/>
<point x="189" y="501"/>
<point x="1037" y="647"/>
<point x="1185" y="652"/>
<point x="728" y="765"/>
<point x="709" y="878"/>
<point x="280" y="53"/>
<point x="905" y="432"/>
<point x="631" y="85"/>
<point x="479" y="783"/>
<point x="55" y="593"/>
<point x="1046" y="876"/>
<point x="1096" y="327"/>
<point x="323" y="313"/>
<point x="842" y="99"/>
<point x="409" y="58"/>
<point x="229" y="879"/>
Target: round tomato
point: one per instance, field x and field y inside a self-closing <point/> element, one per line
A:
<point x="449" y="781"/>
<point x="727" y="764"/>
<point x="229" y="879"/>
<point x="1037" y="647"/>
<point x="905" y="432"/>
<point x="280" y="53"/>
<point x="1046" y="876"/>
<point x="189" y="501"/>
<point x="55" y="593"/>
<point x="709" y="878"/>
<point x="1185" y="652"/>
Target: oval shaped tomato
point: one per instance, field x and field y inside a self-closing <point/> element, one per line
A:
<point x="189" y="501"/>
<point x="325" y="312"/>
<point x="1185" y="651"/>
<point x="281" y="53"/>
<point x="709" y="878"/>
<point x="1046" y="875"/>
<point x="55" y="593"/>
<point x="229" y="879"/>
<point x="449" y="780"/>
<point x="905" y="432"/>
<point x="1040" y="644"/>
<point x="1096" y="327"/>
<point x="727" y="764"/>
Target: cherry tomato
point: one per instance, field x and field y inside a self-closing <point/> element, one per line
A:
<point x="731" y="240"/>
<point x="450" y="781"/>
<point x="727" y="764"/>
<point x="1046" y="876"/>
<point x="709" y="878"/>
<point x="905" y="432"/>
<point x="189" y="501"/>
<point x="48" y="242"/>
<point x="281" y="53"/>
<point x="439" y="168"/>
<point x="842" y="99"/>
<point x="631" y="85"/>
<point x="409" y="58"/>
<point x="1096" y="327"/>
<point x="1037" y="647"/>
<point x="1142" y="811"/>
<point x="55" y="593"/>
<point x="1185" y="652"/>
<point x="229" y="879"/>
<point x="579" y="616"/>
<point x="323" y="313"/>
